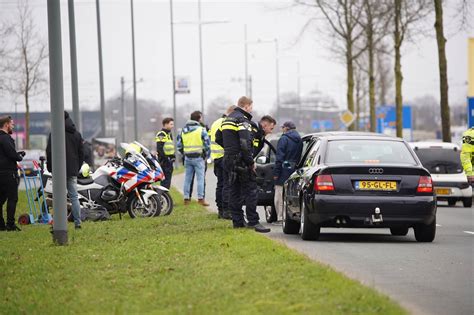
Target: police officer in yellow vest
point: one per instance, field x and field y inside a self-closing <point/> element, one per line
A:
<point x="467" y="154"/>
<point x="217" y="154"/>
<point x="165" y="149"/>
<point x="193" y="142"/>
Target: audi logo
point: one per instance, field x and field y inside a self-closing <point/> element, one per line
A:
<point x="375" y="171"/>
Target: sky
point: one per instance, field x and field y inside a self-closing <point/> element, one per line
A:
<point x="223" y="52"/>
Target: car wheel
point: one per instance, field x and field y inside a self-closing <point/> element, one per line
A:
<point x="289" y="226"/>
<point x="399" y="231"/>
<point x="270" y="214"/>
<point x="467" y="202"/>
<point x="425" y="233"/>
<point x="452" y="202"/>
<point x="309" y="230"/>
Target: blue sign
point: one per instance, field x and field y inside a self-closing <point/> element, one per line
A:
<point x="387" y="117"/>
<point x="470" y="112"/>
<point x="322" y="125"/>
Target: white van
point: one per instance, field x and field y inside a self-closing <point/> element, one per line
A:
<point x="442" y="160"/>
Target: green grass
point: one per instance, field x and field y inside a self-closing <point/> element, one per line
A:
<point x="188" y="262"/>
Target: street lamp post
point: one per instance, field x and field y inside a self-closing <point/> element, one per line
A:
<point x="135" y="110"/>
<point x="172" y="68"/>
<point x="74" y="83"/>
<point x="58" y="142"/>
<point x="199" y="22"/>
<point x="101" y="74"/>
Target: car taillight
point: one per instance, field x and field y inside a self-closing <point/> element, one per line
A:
<point x="323" y="183"/>
<point x="425" y="185"/>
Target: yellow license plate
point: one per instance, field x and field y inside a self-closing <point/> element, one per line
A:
<point x="375" y="185"/>
<point x="443" y="191"/>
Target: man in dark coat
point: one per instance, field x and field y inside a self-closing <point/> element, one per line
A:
<point x="8" y="173"/>
<point x="288" y="153"/>
<point x="74" y="158"/>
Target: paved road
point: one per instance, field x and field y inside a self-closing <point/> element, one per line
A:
<point x="426" y="278"/>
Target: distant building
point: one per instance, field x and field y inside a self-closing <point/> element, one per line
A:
<point x="40" y="127"/>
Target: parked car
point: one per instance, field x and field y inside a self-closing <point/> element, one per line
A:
<point x="443" y="161"/>
<point x="359" y="180"/>
<point x="27" y="162"/>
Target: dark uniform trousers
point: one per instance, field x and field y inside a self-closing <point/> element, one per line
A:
<point x="242" y="189"/>
<point x="167" y="168"/>
<point x="222" y="189"/>
<point x="8" y="193"/>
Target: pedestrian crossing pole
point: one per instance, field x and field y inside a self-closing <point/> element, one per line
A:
<point x="58" y="144"/>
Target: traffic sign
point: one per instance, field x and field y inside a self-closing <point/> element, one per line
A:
<point x="347" y="117"/>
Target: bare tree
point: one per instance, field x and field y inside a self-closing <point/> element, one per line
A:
<point x="24" y="65"/>
<point x="343" y="17"/>
<point x="406" y="14"/>
<point x="384" y="75"/>
<point x="376" y="17"/>
<point x="443" y="71"/>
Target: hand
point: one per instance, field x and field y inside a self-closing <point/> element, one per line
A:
<point x="254" y="167"/>
<point x="275" y="178"/>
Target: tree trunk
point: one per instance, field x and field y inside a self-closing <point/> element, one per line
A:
<point x="443" y="72"/>
<point x="398" y="70"/>
<point x="27" y="121"/>
<point x="357" y="104"/>
<point x="350" y="81"/>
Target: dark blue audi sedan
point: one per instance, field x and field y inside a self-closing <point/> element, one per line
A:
<point x="359" y="180"/>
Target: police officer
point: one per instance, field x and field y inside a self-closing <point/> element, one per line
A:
<point x="217" y="154"/>
<point x="259" y="131"/>
<point x="467" y="154"/>
<point x="238" y="158"/>
<point x="165" y="149"/>
<point x="8" y="173"/>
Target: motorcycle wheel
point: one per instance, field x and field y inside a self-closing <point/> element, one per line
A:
<point x="167" y="203"/>
<point x="137" y="209"/>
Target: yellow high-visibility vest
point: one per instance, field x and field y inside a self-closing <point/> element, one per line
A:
<point x="217" y="151"/>
<point x="192" y="141"/>
<point x="467" y="152"/>
<point x="168" y="146"/>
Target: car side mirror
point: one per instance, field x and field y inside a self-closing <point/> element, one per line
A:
<point x="262" y="160"/>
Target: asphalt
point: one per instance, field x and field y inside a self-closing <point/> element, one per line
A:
<point x="425" y="278"/>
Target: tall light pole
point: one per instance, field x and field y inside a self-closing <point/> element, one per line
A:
<point x="172" y="69"/>
<point x="58" y="133"/>
<point x="101" y="74"/>
<point x="246" y="74"/>
<point x="200" y="56"/>
<point x="200" y="23"/>
<point x="72" y="49"/>
<point x="135" y="114"/>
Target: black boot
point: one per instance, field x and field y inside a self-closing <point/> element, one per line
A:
<point x="2" y="225"/>
<point x="226" y="215"/>
<point x="13" y="228"/>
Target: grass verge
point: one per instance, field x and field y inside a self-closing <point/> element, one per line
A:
<point x="188" y="262"/>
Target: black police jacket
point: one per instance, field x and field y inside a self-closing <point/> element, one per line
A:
<point x="258" y="138"/>
<point x="235" y="136"/>
<point x="8" y="154"/>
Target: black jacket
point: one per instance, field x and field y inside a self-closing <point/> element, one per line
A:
<point x="288" y="153"/>
<point x="235" y="137"/>
<point x="74" y="149"/>
<point x="8" y="154"/>
<point x="258" y="138"/>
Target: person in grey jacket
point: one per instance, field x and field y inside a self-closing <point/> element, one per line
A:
<point x="288" y="153"/>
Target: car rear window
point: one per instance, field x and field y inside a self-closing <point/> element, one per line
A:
<point x="368" y="151"/>
<point x="439" y="160"/>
